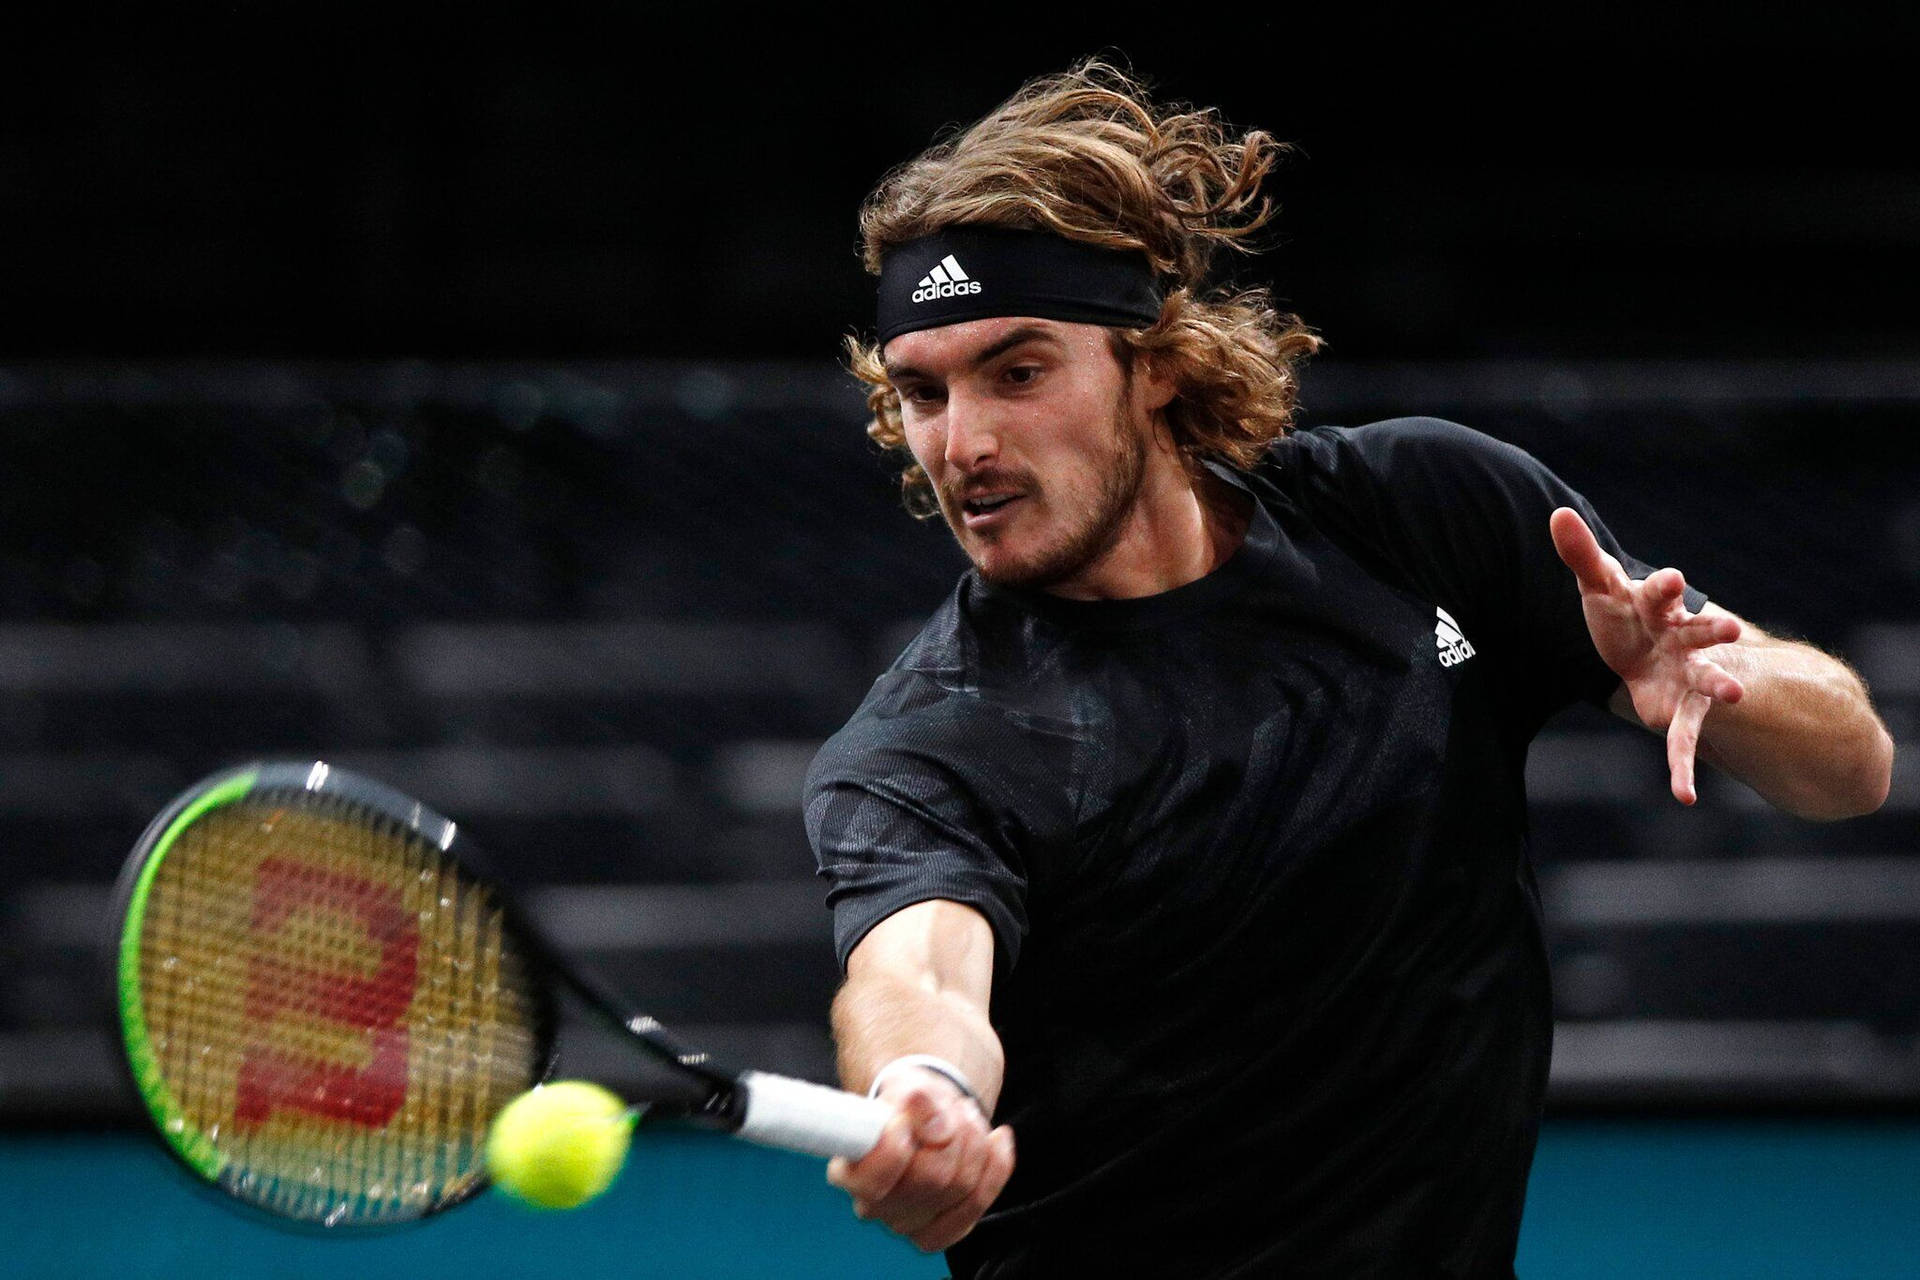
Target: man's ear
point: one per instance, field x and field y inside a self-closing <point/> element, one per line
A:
<point x="1152" y="384"/>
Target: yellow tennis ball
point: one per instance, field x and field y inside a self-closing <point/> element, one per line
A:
<point x="559" y="1145"/>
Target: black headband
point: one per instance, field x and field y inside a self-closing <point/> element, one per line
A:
<point x="970" y="273"/>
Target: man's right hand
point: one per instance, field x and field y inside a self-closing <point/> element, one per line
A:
<point x="936" y="1168"/>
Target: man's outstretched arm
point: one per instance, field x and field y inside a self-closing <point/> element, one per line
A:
<point x="1793" y="723"/>
<point x="919" y="983"/>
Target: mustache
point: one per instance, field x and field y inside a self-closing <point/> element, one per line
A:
<point x="958" y="489"/>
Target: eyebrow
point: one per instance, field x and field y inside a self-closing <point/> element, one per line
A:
<point x="1024" y="334"/>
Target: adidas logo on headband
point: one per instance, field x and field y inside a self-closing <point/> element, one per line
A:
<point x="946" y="280"/>
<point x="1034" y="273"/>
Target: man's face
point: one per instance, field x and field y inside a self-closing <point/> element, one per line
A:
<point x="1035" y="440"/>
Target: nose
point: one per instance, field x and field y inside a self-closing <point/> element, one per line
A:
<point x="973" y="437"/>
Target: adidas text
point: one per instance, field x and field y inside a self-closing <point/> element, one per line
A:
<point x="1453" y="646"/>
<point x="951" y="289"/>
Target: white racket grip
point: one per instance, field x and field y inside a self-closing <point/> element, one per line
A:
<point x="800" y="1116"/>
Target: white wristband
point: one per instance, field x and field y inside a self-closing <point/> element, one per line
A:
<point x="939" y="1066"/>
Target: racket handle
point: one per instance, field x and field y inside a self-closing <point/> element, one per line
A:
<point x="800" y="1116"/>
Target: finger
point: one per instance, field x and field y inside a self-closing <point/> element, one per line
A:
<point x="1667" y="586"/>
<point x="1581" y="552"/>
<point x="972" y="1147"/>
<point x="921" y="1191"/>
<point x="1707" y="677"/>
<point x="873" y="1175"/>
<point x="1668" y="582"/>
<point x="933" y="1124"/>
<point x="1003" y="1152"/>
<point x="925" y="1098"/>
<point x="938" y="1179"/>
<point x="946" y="1230"/>
<point x="1699" y="630"/>
<point x="1683" y="740"/>
<point x="940" y="1175"/>
<point x="1660" y="600"/>
<point x="949" y="1227"/>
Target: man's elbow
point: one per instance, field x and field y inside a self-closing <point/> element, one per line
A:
<point x="1879" y="782"/>
<point x="1857" y="790"/>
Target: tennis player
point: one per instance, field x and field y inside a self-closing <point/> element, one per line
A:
<point x="1188" y="840"/>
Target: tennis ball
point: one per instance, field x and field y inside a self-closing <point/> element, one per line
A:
<point x="559" y="1145"/>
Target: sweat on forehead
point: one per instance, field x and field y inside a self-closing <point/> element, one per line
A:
<point x="973" y="273"/>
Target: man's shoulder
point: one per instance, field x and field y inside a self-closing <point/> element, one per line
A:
<point x="1386" y="446"/>
<point x="978" y="691"/>
<point x="933" y="699"/>
<point x="1399" y="468"/>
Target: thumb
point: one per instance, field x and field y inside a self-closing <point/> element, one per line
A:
<point x="927" y="1117"/>
<point x="1581" y="552"/>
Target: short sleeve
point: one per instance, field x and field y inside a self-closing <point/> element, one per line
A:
<point x="899" y="811"/>
<point x="1465" y="518"/>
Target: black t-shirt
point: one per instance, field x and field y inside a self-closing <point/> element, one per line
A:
<point x="1269" y="972"/>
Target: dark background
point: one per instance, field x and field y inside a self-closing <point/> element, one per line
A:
<point x="569" y="180"/>
<point x="454" y="395"/>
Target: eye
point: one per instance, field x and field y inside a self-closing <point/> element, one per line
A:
<point x="1022" y="374"/>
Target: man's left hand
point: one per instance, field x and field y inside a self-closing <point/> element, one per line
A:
<point x="1643" y="631"/>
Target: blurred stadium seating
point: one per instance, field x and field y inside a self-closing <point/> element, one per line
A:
<point x="603" y="613"/>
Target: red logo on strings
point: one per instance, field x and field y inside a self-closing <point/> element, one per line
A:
<point x="272" y="1079"/>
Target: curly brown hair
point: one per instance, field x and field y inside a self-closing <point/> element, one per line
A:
<point x="1088" y="155"/>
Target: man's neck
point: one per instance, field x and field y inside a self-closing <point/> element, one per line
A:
<point x="1180" y="529"/>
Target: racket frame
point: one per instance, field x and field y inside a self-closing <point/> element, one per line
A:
<point x="724" y="1096"/>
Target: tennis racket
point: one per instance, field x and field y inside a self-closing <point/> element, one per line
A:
<point x="324" y="1004"/>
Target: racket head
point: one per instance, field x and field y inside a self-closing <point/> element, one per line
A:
<point x="322" y="1009"/>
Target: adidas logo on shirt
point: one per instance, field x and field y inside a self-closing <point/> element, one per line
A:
<point x="946" y="280"/>
<point x="1454" y="647"/>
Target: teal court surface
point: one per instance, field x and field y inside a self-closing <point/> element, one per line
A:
<point x="1695" y="1198"/>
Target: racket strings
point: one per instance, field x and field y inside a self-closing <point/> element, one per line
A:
<point x="333" y="1008"/>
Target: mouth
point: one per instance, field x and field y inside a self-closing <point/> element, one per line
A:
<point x="984" y="510"/>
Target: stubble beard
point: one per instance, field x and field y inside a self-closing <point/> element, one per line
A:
<point x="1090" y="537"/>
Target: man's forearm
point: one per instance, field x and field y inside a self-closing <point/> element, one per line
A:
<point x="920" y="983"/>
<point x="879" y="1016"/>
<point x="1804" y="734"/>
